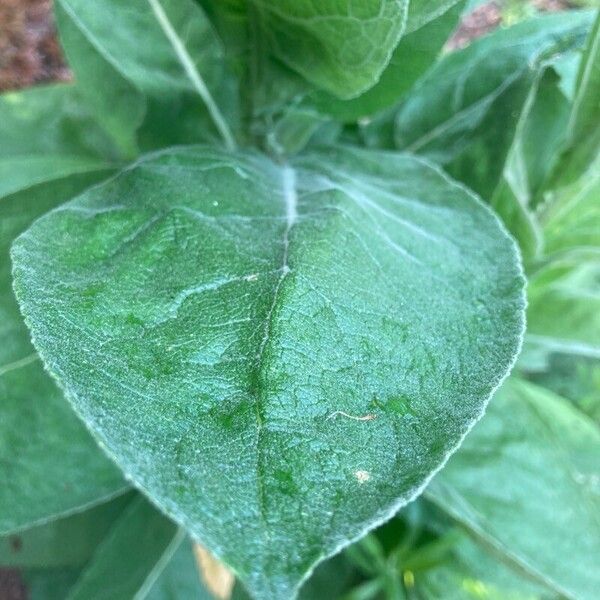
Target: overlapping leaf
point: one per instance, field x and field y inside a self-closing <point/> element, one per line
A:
<point x="341" y="47"/>
<point x="236" y="331"/>
<point x="464" y="113"/>
<point x="164" y="64"/>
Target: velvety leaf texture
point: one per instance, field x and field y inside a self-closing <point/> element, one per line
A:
<point x="281" y="355"/>
<point x="341" y="47"/>
<point x="534" y="456"/>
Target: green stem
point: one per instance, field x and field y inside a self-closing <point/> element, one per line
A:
<point x="192" y="73"/>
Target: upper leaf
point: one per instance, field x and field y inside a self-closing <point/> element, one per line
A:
<point x="526" y="482"/>
<point x="281" y="356"/>
<point x="415" y="53"/>
<point x="341" y="47"/>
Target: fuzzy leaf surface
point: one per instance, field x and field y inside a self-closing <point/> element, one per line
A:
<point x="280" y="355"/>
<point x="341" y="47"/>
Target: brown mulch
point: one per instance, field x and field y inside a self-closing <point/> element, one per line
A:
<point x="488" y="16"/>
<point x="29" y="50"/>
<point x="11" y="585"/>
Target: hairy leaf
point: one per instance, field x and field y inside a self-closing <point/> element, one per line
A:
<point x="341" y="47"/>
<point x="526" y="482"/>
<point x="415" y="53"/>
<point x="280" y="355"/>
<point x="49" y="464"/>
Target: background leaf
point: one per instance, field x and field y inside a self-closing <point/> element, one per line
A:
<point x="67" y="542"/>
<point x="164" y="63"/>
<point x="464" y="112"/>
<point x="131" y="557"/>
<point x="526" y="482"/>
<point x="50" y="465"/>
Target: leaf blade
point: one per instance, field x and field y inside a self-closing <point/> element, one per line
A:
<point x="275" y="242"/>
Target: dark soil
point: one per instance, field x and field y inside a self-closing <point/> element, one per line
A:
<point x="11" y="585"/>
<point x="29" y="51"/>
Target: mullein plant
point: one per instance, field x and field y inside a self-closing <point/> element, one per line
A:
<point x="263" y="289"/>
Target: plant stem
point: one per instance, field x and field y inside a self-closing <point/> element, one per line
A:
<point x="192" y="73"/>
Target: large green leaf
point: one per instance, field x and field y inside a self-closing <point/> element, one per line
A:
<point x="164" y="64"/>
<point x="49" y="464"/>
<point x="526" y="482"/>
<point x="131" y="557"/>
<point x="341" y="47"/>
<point x="464" y="112"/>
<point x="281" y="356"/>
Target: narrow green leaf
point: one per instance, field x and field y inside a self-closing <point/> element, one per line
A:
<point x="583" y="134"/>
<point x="185" y="294"/>
<point x="464" y="112"/>
<point x="526" y="482"/>
<point x="564" y="305"/>
<point x="571" y="216"/>
<point x="68" y="542"/>
<point x="49" y="464"/>
<point x="341" y="47"/>
<point x="131" y="557"/>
